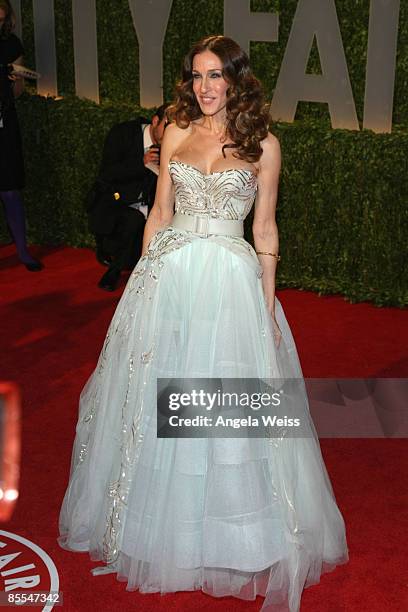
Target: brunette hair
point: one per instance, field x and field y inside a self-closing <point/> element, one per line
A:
<point x="10" y="20"/>
<point x="247" y="114"/>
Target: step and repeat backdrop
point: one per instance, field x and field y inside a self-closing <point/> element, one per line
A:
<point x="335" y="73"/>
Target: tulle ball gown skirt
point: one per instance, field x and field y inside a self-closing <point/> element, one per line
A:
<point x="241" y="517"/>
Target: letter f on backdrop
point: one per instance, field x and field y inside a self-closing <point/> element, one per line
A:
<point x="314" y="18"/>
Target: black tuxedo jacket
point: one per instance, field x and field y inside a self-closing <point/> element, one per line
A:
<point x="122" y="171"/>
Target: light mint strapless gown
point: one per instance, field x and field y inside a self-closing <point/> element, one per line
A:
<point x="237" y="517"/>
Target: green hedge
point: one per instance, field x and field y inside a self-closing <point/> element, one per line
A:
<point x="343" y="214"/>
<point x="342" y="211"/>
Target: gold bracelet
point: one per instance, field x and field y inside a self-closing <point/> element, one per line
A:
<point x="278" y="257"/>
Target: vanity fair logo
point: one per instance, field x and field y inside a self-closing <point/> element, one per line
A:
<point x="28" y="574"/>
<point x="313" y="20"/>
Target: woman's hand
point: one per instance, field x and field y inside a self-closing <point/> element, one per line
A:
<point x="277" y="334"/>
<point x="270" y="303"/>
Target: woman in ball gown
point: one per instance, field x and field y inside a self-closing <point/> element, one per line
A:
<point x="230" y="516"/>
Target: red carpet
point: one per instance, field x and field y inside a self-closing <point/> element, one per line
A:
<point x="53" y="325"/>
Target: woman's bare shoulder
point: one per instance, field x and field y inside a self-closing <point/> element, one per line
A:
<point x="269" y="163"/>
<point x="174" y="136"/>
<point x="174" y="131"/>
<point x="173" y="128"/>
<point x="270" y="144"/>
<point x="271" y="150"/>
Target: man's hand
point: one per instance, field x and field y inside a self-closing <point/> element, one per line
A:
<point x="152" y="156"/>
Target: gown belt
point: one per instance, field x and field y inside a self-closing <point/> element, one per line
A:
<point x="205" y="226"/>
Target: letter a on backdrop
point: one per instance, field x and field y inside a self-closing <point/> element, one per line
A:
<point x="314" y="18"/>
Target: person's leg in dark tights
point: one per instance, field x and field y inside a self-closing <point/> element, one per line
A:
<point x="15" y="216"/>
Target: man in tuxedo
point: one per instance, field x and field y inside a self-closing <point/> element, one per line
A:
<point x="124" y="193"/>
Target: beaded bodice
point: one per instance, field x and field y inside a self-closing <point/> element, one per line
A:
<point x="227" y="194"/>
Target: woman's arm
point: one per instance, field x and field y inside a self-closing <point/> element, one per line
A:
<point x="163" y="208"/>
<point x="265" y="230"/>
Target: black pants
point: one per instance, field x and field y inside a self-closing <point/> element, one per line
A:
<point x="124" y="244"/>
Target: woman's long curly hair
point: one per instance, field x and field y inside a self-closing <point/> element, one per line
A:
<point x="247" y="115"/>
<point x="10" y="20"/>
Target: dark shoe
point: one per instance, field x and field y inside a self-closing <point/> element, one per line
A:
<point x="103" y="258"/>
<point x="109" y="280"/>
<point x="34" y="266"/>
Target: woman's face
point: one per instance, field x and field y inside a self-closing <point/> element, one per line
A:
<point x="2" y="17"/>
<point x="209" y="85"/>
